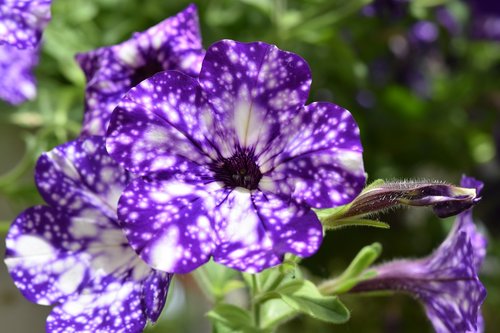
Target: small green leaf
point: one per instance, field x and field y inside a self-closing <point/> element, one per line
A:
<point x="305" y="297"/>
<point x="355" y="273"/>
<point x="230" y="318"/>
<point x="275" y="312"/>
<point x="365" y="257"/>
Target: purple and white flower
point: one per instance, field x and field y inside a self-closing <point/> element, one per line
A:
<point x="21" y="26"/>
<point x="73" y="253"/>
<point x="173" y="44"/>
<point x="447" y="281"/>
<point x="17" y="82"/>
<point x="22" y="22"/>
<point x="232" y="162"/>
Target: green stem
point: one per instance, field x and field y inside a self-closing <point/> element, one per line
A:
<point x="255" y="303"/>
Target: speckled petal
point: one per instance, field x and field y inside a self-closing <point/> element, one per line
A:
<point x="110" y="307"/>
<point x="17" y="66"/>
<point x="454" y="302"/>
<point x="157" y="123"/>
<point x="81" y="177"/>
<point x="465" y="222"/>
<point x="254" y="231"/>
<point x="167" y="220"/>
<point x="154" y="291"/>
<point x="22" y="22"/>
<point x="42" y="269"/>
<point x="446" y="282"/>
<point x="253" y="87"/>
<point x="317" y="158"/>
<point x="173" y="44"/>
<point x="75" y="254"/>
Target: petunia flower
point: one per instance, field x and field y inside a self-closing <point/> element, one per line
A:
<point x="73" y="253"/>
<point x="173" y="44"/>
<point x="446" y="282"/>
<point x="17" y="82"/>
<point x="22" y="22"/>
<point x="233" y="162"/>
<point x="21" y="26"/>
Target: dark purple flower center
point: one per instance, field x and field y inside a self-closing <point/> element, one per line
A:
<point x="150" y="68"/>
<point x="239" y="170"/>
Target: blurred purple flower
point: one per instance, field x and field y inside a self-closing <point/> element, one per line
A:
<point x="21" y="26"/>
<point x="233" y="161"/>
<point x="22" y="22"/>
<point x="73" y="253"/>
<point x="17" y="82"/>
<point x="447" y="281"/>
<point x="173" y="44"/>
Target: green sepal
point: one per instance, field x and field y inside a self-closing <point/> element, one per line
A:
<point x="339" y="224"/>
<point x="332" y="218"/>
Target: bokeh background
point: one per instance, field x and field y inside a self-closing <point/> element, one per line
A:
<point x="422" y="78"/>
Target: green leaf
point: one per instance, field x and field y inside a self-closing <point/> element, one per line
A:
<point x="275" y="312"/>
<point x="355" y="272"/>
<point x="365" y="257"/>
<point x="230" y="318"/>
<point x="305" y="297"/>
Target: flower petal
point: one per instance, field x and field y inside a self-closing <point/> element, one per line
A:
<point x="173" y="44"/>
<point x="17" y="66"/>
<point x="110" y="307"/>
<point x="43" y="269"/>
<point x="158" y="122"/>
<point x="81" y="177"/>
<point x="167" y="221"/>
<point x="456" y="307"/>
<point x="253" y="86"/>
<point x="154" y="291"/>
<point x="254" y="231"/>
<point x="318" y="159"/>
<point x="22" y="22"/>
<point x="116" y="303"/>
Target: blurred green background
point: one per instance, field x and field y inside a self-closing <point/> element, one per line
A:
<point x="427" y="102"/>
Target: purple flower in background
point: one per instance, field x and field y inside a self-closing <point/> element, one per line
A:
<point x="73" y="253"/>
<point x="174" y="44"/>
<point x="21" y="26"/>
<point x="447" y="281"/>
<point x="22" y="22"/>
<point x="233" y="161"/>
<point x="17" y="82"/>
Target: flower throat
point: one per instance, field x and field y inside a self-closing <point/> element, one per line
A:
<point x="239" y="170"/>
